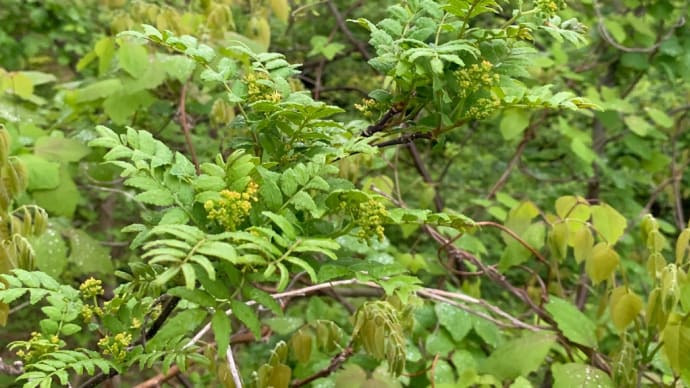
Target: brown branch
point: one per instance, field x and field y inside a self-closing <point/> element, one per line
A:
<point x="185" y="128"/>
<point x="514" y="236"/>
<point x="381" y="124"/>
<point x="336" y="362"/>
<point x="15" y="369"/>
<point x="405" y="139"/>
<point x="419" y="165"/>
<point x="159" y="379"/>
<point x="528" y="135"/>
<point x="340" y="21"/>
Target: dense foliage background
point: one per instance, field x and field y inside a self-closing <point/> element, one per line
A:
<point x="344" y="193"/>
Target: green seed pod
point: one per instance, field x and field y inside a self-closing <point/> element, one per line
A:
<point x="380" y="342"/>
<point x="40" y="223"/>
<point x="301" y="346"/>
<point x="16" y="225"/>
<point x="17" y="176"/>
<point x="4" y="146"/>
<point x="5" y="200"/>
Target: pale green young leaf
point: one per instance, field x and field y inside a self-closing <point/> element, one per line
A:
<point x="156" y="197"/>
<point x="608" y="222"/>
<point x="513" y="123"/>
<point x="583" y="244"/>
<point x="625" y="306"/>
<point x="682" y="246"/>
<point x="602" y="263"/>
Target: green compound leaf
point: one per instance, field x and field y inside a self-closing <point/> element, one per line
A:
<point x="245" y="314"/>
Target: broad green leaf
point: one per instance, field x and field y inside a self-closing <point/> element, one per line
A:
<point x="659" y="117"/>
<point x="51" y="252"/>
<point x="625" y="307"/>
<point x="602" y="263"/>
<point x="575" y="325"/>
<point x="122" y="106"/>
<point x="105" y="50"/>
<point x="220" y="324"/>
<point x="157" y="197"/>
<point x="638" y="125"/>
<point x="513" y="123"/>
<point x="608" y="222"/>
<point x="87" y="254"/>
<point x="456" y="321"/>
<point x="520" y="356"/>
<point x="520" y="218"/>
<point x="247" y="315"/>
<point x="43" y="174"/>
<point x="572" y="207"/>
<point x="97" y="90"/>
<point x="68" y="193"/>
<point x="133" y="58"/>
<point x="579" y="375"/>
<point x="284" y="325"/>
<point x="676" y="348"/>
<point x="60" y="149"/>
<point x="20" y="85"/>
<point x="558" y="239"/>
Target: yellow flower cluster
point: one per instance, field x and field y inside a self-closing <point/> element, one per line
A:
<point x="483" y="107"/>
<point x="91" y="288"/>
<point x="37" y="346"/>
<point x="369" y="216"/>
<point x="366" y="107"/>
<point x="116" y="345"/>
<point x="550" y="7"/>
<point x="233" y="207"/>
<point x="258" y="91"/>
<point x="478" y="76"/>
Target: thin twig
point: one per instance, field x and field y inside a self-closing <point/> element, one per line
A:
<point x="421" y="168"/>
<point x="340" y="21"/>
<point x="185" y="128"/>
<point x="515" y="236"/>
<point x="405" y="139"/>
<point x="610" y="40"/>
<point x="15" y="369"/>
<point x="233" y="368"/>
<point x="528" y="135"/>
<point x="158" y="380"/>
<point x="336" y="362"/>
<point x="381" y="124"/>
